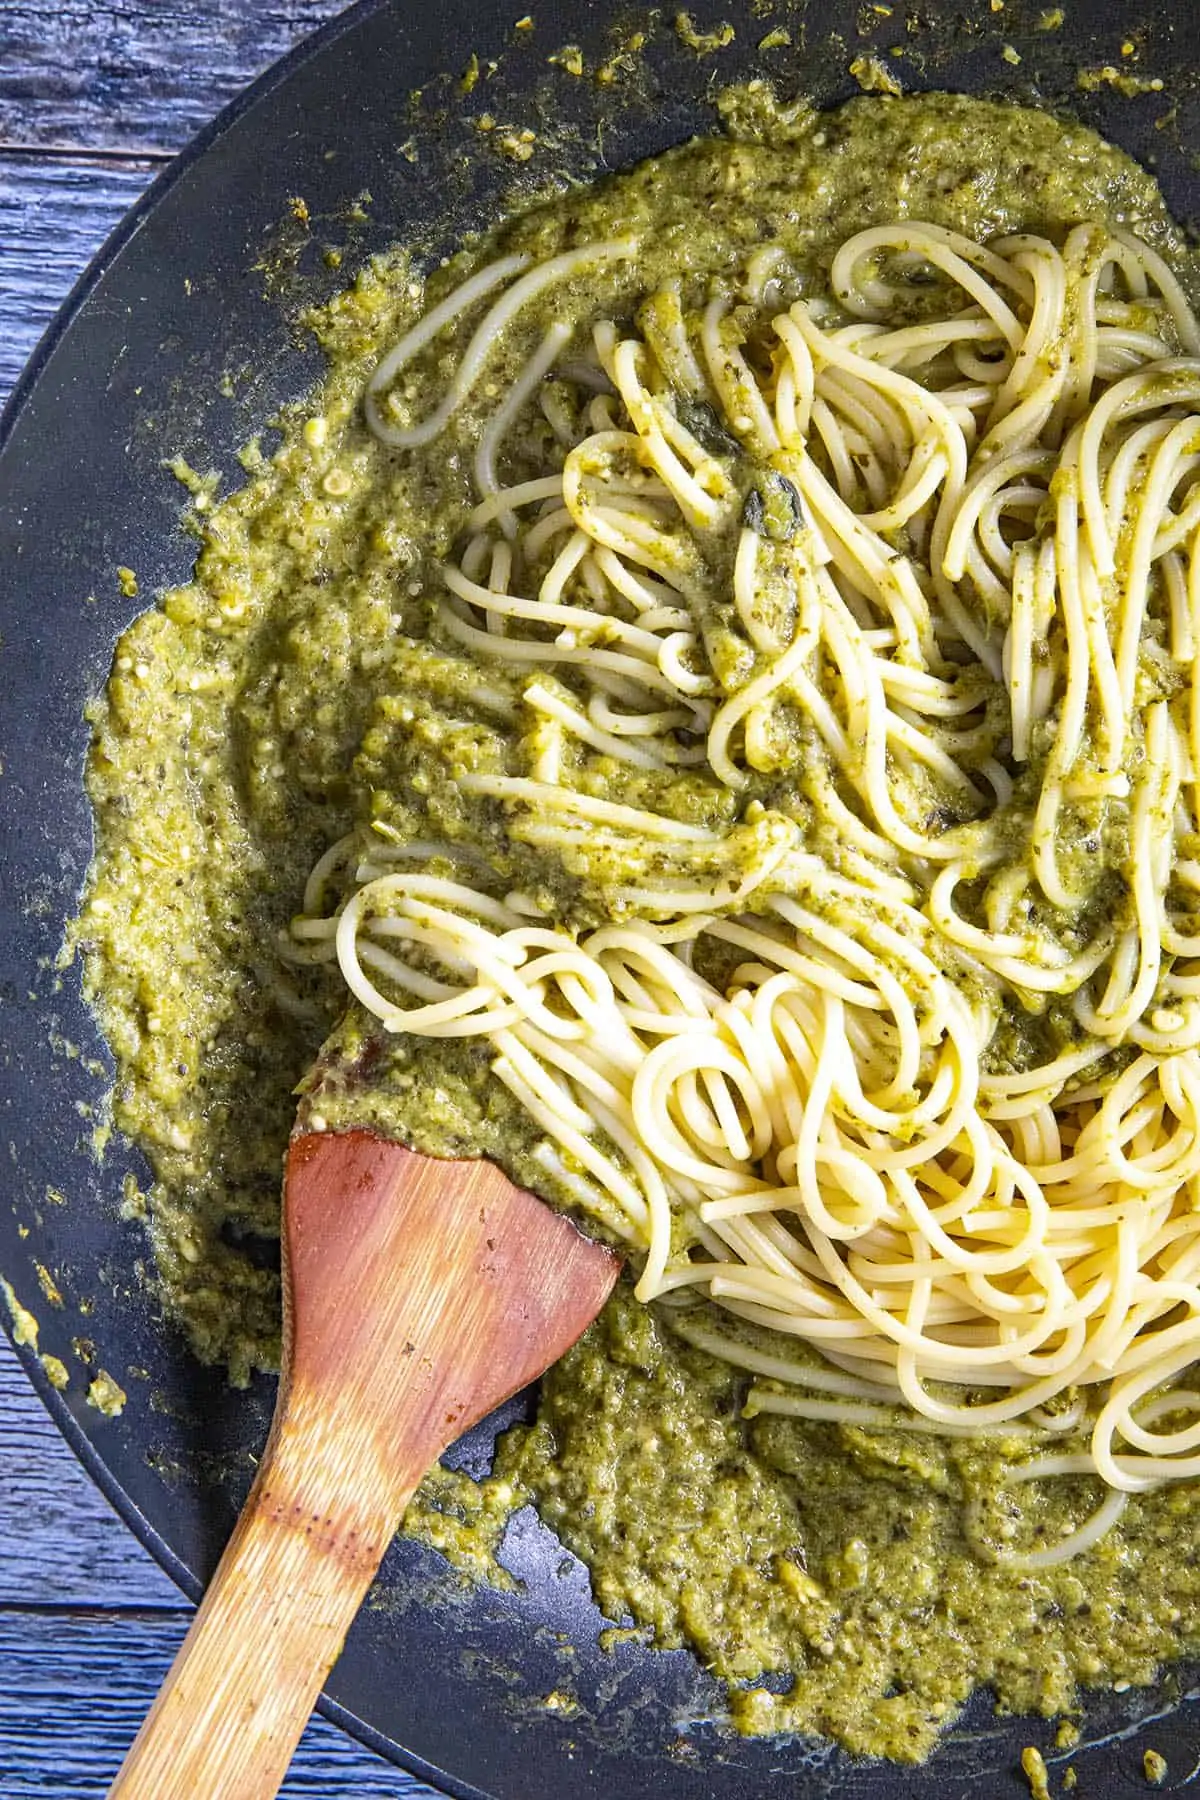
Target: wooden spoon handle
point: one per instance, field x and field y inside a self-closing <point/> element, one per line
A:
<point x="417" y="1296"/>
<point x="270" y="1627"/>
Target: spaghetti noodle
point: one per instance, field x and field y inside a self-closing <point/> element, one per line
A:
<point x="822" y="859"/>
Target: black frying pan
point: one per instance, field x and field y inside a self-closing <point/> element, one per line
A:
<point x="450" y="1684"/>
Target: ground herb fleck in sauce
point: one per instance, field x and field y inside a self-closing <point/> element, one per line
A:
<point x="246" y="725"/>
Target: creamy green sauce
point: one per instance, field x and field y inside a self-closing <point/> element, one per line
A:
<point x="291" y="689"/>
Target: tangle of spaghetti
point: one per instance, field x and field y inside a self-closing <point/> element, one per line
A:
<point x="819" y="851"/>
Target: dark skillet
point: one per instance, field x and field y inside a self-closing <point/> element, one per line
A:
<point x="452" y="1685"/>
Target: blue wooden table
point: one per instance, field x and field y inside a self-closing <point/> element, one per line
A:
<point x="95" y="95"/>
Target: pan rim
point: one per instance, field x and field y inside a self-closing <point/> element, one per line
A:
<point x="312" y="45"/>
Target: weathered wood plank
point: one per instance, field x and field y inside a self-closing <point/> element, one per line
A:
<point x="60" y="1541"/>
<point x="88" y="1624"/>
<point x="76" y="1686"/>
<point x="53" y="218"/>
<point x="135" y="78"/>
<point x="125" y="85"/>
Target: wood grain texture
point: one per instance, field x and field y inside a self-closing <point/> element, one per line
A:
<point x="48" y="1507"/>
<point x="419" y="1295"/>
<point x="137" y="76"/>
<point x="75" y="1688"/>
<point x="89" y="1625"/>
<point x="54" y="216"/>
<point x="93" y="99"/>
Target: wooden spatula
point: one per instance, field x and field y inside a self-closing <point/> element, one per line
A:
<point x="418" y="1295"/>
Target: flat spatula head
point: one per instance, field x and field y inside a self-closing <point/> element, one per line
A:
<point x="426" y="1290"/>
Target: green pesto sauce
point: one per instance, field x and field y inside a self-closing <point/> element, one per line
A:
<point x="292" y="689"/>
